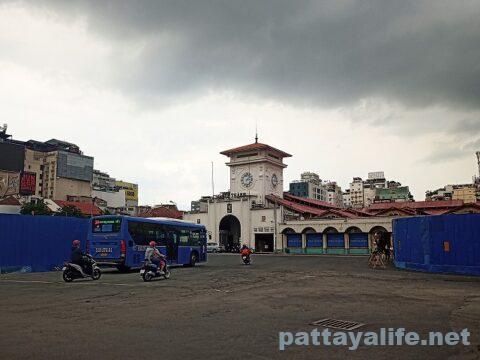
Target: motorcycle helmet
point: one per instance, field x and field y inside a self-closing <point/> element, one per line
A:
<point x="76" y="243"/>
<point x="153" y="243"/>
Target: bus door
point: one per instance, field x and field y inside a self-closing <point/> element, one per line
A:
<point x="172" y="246"/>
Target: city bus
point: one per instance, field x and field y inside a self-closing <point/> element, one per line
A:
<point x="121" y="241"/>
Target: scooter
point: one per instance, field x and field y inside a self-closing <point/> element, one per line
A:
<point x="150" y="271"/>
<point x="246" y="259"/>
<point x="73" y="271"/>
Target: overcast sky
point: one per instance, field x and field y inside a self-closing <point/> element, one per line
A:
<point x="154" y="90"/>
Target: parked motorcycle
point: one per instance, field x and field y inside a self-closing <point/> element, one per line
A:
<point x="73" y="271"/>
<point x="246" y="259"/>
<point x="150" y="271"/>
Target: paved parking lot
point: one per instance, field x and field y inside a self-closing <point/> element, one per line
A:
<point x="224" y="310"/>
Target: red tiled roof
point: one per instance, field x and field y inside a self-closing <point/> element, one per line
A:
<point x="254" y="146"/>
<point x="162" y="211"/>
<point x="308" y="210"/>
<point x="85" y="208"/>
<point x="416" y="204"/>
<point x="10" y="201"/>
<point x="312" y="202"/>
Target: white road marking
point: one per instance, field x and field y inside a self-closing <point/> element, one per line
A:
<point x="60" y="282"/>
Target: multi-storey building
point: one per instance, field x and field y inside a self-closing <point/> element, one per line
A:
<point x="53" y="169"/>
<point x="61" y="170"/>
<point x="364" y="193"/>
<point x="103" y="181"/>
<point x="347" y="201"/>
<point x="309" y="186"/>
<point x="356" y="193"/>
<point x="118" y="196"/>
<point x="334" y="193"/>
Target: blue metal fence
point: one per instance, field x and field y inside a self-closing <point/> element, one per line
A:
<point x="445" y="244"/>
<point x="38" y="243"/>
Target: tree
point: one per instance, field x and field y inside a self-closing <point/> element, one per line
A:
<point x="70" y="211"/>
<point x="106" y="212"/>
<point x="35" y="208"/>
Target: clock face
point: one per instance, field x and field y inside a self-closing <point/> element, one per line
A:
<point x="247" y="179"/>
<point x="274" y="180"/>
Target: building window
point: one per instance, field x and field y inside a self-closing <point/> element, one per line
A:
<point x="198" y="221"/>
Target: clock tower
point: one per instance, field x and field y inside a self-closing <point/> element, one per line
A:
<point x="256" y="169"/>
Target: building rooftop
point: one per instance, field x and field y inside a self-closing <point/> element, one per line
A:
<point x="252" y="147"/>
<point x="85" y="208"/>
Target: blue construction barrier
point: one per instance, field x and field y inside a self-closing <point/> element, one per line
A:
<point x="439" y="244"/>
<point x="38" y="243"/>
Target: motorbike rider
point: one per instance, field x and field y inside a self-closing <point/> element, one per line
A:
<point x="154" y="256"/>
<point x="245" y="251"/>
<point x="78" y="257"/>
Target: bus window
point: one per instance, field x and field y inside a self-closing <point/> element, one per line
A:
<point x="184" y="236"/>
<point x="195" y="238"/>
<point x="137" y="233"/>
<point x="160" y="235"/>
<point x="143" y="233"/>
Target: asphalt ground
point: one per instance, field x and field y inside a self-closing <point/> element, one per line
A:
<point x="225" y="310"/>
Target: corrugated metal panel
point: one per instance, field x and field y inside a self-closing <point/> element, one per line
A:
<point x="446" y="243"/>
<point x="315" y="240"/>
<point x="358" y="240"/>
<point x="294" y="240"/>
<point x="38" y="243"/>
<point x="335" y="240"/>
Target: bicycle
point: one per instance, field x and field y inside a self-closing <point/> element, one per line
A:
<point x="377" y="259"/>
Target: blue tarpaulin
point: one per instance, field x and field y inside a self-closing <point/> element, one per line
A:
<point x="442" y="244"/>
<point x="38" y="243"/>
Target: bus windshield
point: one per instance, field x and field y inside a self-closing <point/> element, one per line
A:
<point x="108" y="225"/>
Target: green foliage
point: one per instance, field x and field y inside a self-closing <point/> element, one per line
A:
<point x="106" y="212"/>
<point x="38" y="208"/>
<point x="70" y="211"/>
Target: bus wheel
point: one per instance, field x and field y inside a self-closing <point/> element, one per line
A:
<point x="193" y="259"/>
<point x="123" y="268"/>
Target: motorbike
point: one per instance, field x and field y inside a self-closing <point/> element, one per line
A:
<point x="73" y="271"/>
<point x="150" y="271"/>
<point x="246" y="259"/>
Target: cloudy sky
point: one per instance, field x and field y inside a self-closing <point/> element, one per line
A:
<point x="154" y="90"/>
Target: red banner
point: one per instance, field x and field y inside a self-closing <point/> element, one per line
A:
<point x="28" y="183"/>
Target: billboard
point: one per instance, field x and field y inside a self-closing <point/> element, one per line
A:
<point x="9" y="183"/>
<point x="75" y="166"/>
<point x="12" y="157"/>
<point x="28" y="183"/>
<point x="131" y="190"/>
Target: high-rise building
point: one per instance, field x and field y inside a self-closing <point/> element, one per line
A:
<point x="312" y="187"/>
<point x="376" y="188"/>
<point x="61" y="170"/>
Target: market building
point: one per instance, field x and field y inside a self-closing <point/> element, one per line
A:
<point x="256" y="212"/>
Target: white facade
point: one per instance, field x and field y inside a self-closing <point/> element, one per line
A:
<point x="241" y="216"/>
<point x="356" y="193"/>
<point x="114" y="199"/>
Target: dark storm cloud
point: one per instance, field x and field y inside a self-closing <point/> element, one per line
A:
<point x="327" y="53"/>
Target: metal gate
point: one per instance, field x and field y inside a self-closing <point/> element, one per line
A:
<point x="294" y="240"/>
<point x="315" y="240"/>
<point x="335" y="240"/>
<point x="358" y="240"/>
